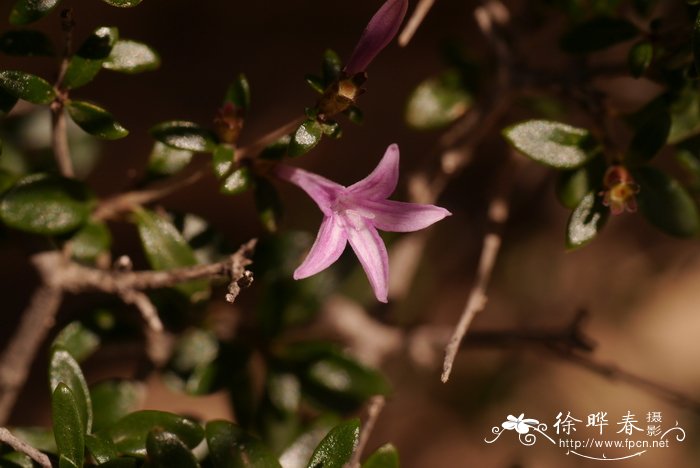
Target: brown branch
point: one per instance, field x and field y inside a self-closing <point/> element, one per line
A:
<point x="60" y="274"/>
<point x="19" y="445"/>
<point x="419" y="14"/>
<point x="374" y="409"/>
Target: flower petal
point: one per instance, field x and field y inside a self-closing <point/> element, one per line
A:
<point x="330" y="243"/>
<point x="522" y="428"/>
<point x="394" y="216"/>
<point x="382" y="28"/>
<point x="509" y="425"/>
<point x="321" y="190"/>
<point x="382" y="181"/>
<point x="371" y="252"/>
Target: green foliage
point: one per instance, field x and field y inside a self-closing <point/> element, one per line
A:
<point x="95" y="120"/>
<point x="28" y="11"/>
<point x="44" y="204"/>
<point x="166" y="160"/>
<point x="572" y="185"/>
<point x="639" y="58"/>
<point x="386" y="456"/>
<point x="64" y="369"/>
<point x="231" y="447"/>
<point x="90" y="242"/>
<point x="222" y="160"/>
<point x="26" y="42"/>
<point x="166" y="249"/>
<point x="25" y="86"/>
<point x="192" y="367"/>
<point x="129" y="56"/>
<point x="130" y="433"/>
<point x="239" y="181"/>
<point x="336" y="448"/>
<point x="186" y="136"/>
<point x="113" y="400"/>
<point x="666" y="204"/>
<point x="438" y="101"/>
<point x="78" y="340"/>
<point x="586" y="221"/>
<point x="305" y="138"/>
<point x="68" y="427"/>
<point x="238" y="93"/>
<point x="554" y="144"/>
<point x="88" y="60"/>
<point x="166" y="450"/>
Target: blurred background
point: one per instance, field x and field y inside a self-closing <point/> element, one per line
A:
<point x="638" y="286"/>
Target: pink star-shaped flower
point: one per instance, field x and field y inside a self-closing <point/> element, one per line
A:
<point x="353" y="214"/>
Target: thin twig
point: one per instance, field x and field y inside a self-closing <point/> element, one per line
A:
<point x="374" y="408"/>
<point x="498" y="214"/>
<point x="59" y="274"/>
<point x="15" y="362"/>
<point x="59" y="130"/>
<point x="19" y="445"/>
<point x="415" y="21"/>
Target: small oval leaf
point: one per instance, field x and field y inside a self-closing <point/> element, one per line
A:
<point x="95" y="120"/>
<point x="102" y="449"/>
<point x="185" y="136"/>
<point x="166" y="160"/>
<point x="26" y="43"/>
<point x="305" y="138"/>
<point x="63" y="368"/>
<point x="586" y="221"/>
<point x="129" y="434"/>
<point x="114" y="399"/>
<point x="385" y="457"/>
<point x="86" y="63"/>
<point x="68" y="428"/>
<point x="337" y="447"/>
<point x="222" y="159"/>
<point x="665" y="203"/>
<point x="640" y="57"/>
<point x="28" y="11"/>
<point x="47" y="205"/>
<point x="231" y="447"/>
<point x="241" y="180"/>
<point x="553" y="144"/>
<point x="90" y="242"/>
<point x="129" y="56"/>
<point x="26" y="86"/>
<point x="437" y="102"/>
<point x="78" y="340"/>
<point x="165" y="450"/>
<point x="238" y="93"/>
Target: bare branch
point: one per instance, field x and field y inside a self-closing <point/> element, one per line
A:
<point x="374" y="409"/>
<point x="419" y="14"/>
<point x="19" y="445"/>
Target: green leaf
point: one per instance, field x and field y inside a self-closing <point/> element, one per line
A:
<point x="63" y="368"/>
<point x="336" y="448"/>
<point x="122" y="3"/>
<point x="15" y="460"/>
<point x="241" y="180"/>
<point x="102" y="449"/>
<point x="166" y="160"/>
<point x="665" y="203"/>
<point x="114" y="399"/>
<point x="331" y="67"/>
<point x="553" y="144"/>
<point x="299" y="452"/>
<point x="78" y="340"/>
<point x="7" y="102"/>
<point x="95" y="120"/>
<point x="185" y="136"/>
<point x="685" y="115"/>
<point x="87" y="62"/>
<point x="44" y="204"/>
<point x="68" y="427"/>
<point x="268" y="204"/>
<point x="165" y="450"/>
<point x="166" y="249"/>
<point x="131" y="57"/>
<point x="597" y="34"/>
<point x="315" y="83"/>
<point x="305" y="138"/>
<point x="572" y="185"/>
<point x="238" y="93"/>
<point x="90" y="242"/>
<point x="41" y="438"/>
<point x="192" y="367"/>
<point x="231" y="447"/>
<point x="277" y="150"/>
<point x="28" y="11"/>
<point x="222" y="159"/>
<point x="28" y="87"/>
<point x="650" y="137"/>
<point x="437" y="102"/>
<point x="586" y="221"/>
<point x="26" y="43"/>
<point x="639" y="58"/>
<point x="385" y="457"/>
<point x="129" y="434"/>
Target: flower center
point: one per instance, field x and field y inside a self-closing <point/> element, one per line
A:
<point x="350" y="212"/>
